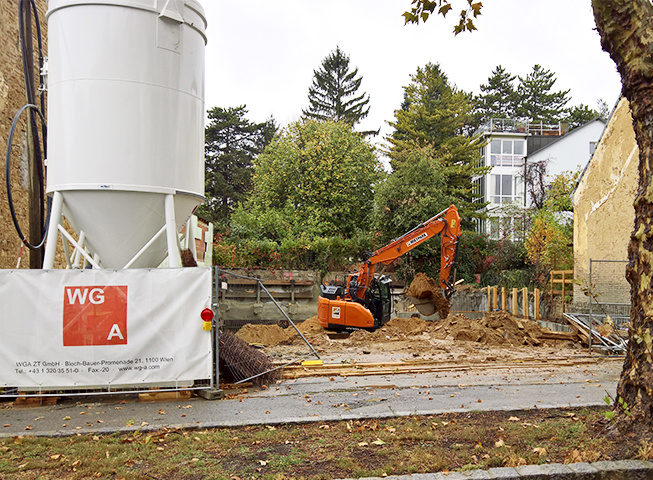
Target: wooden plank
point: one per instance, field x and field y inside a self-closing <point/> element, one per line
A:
<point x="525" y="302"/>
<point x="155" y="396"/>
<point x="30" y="402"/>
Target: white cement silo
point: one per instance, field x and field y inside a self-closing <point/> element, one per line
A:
<point x="125" y="124"/>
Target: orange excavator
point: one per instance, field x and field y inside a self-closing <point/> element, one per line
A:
<point x="364" y="300"/>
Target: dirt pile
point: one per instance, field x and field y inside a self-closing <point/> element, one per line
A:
<point x="270" y="335"/>
<point x="424" y="287"/>
<point x="493" y="329"/>
<point x="265" y="334"/>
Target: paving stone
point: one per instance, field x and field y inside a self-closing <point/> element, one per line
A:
<point x="503" y="473"/>
<point x="584" y="471"/>
<point x="546" y="472"/>
<point x="621" y="470"/>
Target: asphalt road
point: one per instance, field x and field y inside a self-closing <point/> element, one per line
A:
<point x="325" y="399"/>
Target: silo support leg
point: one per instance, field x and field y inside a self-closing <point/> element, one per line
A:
<point x="171" y="232"/>
<point x="55" y="218"/>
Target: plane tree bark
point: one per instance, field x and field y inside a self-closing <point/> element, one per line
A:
<point x="626" y="34"/>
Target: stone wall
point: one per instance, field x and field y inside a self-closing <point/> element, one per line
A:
<point x="603" y="210"/>
<point x="12" y="98"/>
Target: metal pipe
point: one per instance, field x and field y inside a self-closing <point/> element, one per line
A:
<point x="288" y="318"/>
<point x="171" y="232"/>
<point x="76" y="245"/>
<point x="78" y="256"/>
<point x="55" y="218"/>
<point x="145" y="247"/>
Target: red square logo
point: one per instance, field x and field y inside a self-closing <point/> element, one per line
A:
<point x="94" y="316"/>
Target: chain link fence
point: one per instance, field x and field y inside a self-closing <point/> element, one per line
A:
<point x="606" y="289"/>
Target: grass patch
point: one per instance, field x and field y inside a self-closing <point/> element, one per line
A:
<point x="416" y="444"/>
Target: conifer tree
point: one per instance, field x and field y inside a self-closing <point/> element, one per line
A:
<point x="498" y="96"/>
<point x="333" y="94"/>
<point x="232" y="142"/>
<point x="536" y="102"/>
<point x="436" y="115"/>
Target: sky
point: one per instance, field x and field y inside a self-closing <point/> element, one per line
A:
<point x="262" y="53"/>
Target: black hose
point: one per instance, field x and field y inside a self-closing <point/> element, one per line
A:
<point x="8" y="179"/>
<point x="39" y="154"/>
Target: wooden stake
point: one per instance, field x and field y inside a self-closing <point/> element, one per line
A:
<point x="536" y="315"/>
<point x="524" y="293"/>
<point x="504" y="300"/>
<point x="495" y="303"/>
<point x="515" y="309"/>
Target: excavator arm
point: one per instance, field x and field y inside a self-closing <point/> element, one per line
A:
<point x="446" y="223"/>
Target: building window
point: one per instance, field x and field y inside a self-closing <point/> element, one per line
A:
<point x="503" y="189"/>
<point x="506" y="153"/>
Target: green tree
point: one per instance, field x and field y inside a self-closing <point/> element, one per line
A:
<point x="536" y="102"/>
<point x="579" y="115"/>
<point x="412" y="194"/>
<point x="436" y="115"/>
<point x="232" y="142"/>
<point x="333" y="94"/>
<point x="498" y="96"/>
<point x="316" y="179"/>
<point x="624" y="27"/>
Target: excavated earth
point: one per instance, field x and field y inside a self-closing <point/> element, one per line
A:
<point x="496" y="336"/>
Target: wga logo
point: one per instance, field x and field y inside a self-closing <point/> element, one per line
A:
<point x="95" y="315"/>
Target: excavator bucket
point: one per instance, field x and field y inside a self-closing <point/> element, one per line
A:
<point x="424" y="306"/>
<point x="427" y="296"/>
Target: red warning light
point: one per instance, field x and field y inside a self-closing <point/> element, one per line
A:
<point x="207" y="314"/>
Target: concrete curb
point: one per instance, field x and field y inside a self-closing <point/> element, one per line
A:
<point x="617" y="470"/>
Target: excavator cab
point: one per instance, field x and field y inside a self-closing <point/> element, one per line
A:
<point x="379" y="300"/>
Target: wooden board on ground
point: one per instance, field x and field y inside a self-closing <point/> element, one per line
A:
<point x="156" y="396"/>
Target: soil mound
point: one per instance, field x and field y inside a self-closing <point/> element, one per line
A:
<point x="407" y="326"/>
<point x="424" y="287"/>
<point x="494" y="328"/>
<point x="265" y="334"/>
<point x="271" y="335"/>
<point x="310" y="326"/>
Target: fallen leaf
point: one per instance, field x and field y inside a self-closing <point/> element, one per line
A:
<point x="499" y="443"/>
<point x="540" y="451"/>
<point x="29" y="427"/>
<point x="479" y="401"/>
<point x="144" y="424"/>
<point x="56" y="456"/>
<point x="513" y="419"/>
<point x="363" y="444"/>
<point x="7" y="424"/>
<point x="77" y="463"/>
<point x="161" y="412"/>
<point x="378" y="441"/>
<point x="130" y="422"/>
<point x="267" y="412"/>
<point x="324" y="427"/>
<point x="263" y="463"/>
<point x="160" y="449"/>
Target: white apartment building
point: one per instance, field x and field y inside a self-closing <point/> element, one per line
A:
<point x="509" y="145"/>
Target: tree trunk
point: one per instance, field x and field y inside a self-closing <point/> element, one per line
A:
<point x="625" y="29"/>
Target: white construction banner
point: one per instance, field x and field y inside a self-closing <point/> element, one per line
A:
<point x="79" y="328"/>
